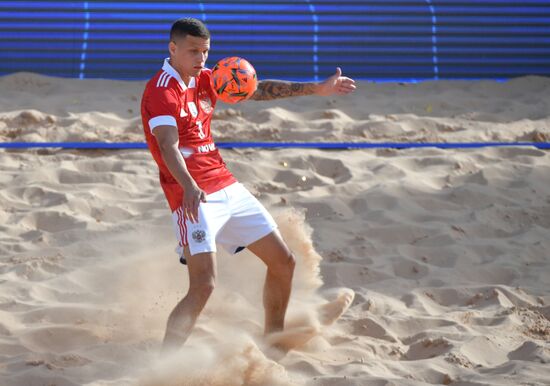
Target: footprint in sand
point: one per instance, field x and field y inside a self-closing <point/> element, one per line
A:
<point x="297" y="334"/>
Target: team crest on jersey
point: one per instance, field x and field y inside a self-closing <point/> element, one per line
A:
<point x="205" y="102"/>
<point x="206" y="105"/>
<point x="199" y="235"/>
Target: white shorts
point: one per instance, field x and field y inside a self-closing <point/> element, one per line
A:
<point x="231" y="217"/>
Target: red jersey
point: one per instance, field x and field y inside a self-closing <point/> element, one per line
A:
<point x="167" y="100"/>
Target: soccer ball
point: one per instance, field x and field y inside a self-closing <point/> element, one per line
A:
<point x="234" y="79"/>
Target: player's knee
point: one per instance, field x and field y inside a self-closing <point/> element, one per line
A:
<point x="285" y="265"/>
<point x="202" y="290"/>
<point x="291" y="262"/>
<point x="207" y="288"/>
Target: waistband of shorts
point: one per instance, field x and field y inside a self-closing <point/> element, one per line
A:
<point x="228" y="190"/>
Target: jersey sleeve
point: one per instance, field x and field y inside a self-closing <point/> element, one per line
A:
<point x="162" y="107"/>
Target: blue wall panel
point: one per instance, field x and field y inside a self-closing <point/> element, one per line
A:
<point x="305" y="39"/>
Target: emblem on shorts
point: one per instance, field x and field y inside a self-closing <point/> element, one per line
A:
<point x="199" y="235"/>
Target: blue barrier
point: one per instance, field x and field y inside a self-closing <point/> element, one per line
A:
<point x="279" y="145"/>
<point x="294" y="40"/>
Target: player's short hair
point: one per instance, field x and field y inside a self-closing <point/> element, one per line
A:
<point x="188" y="26"/>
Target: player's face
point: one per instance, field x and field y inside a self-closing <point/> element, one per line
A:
<point x="189" y="54"/>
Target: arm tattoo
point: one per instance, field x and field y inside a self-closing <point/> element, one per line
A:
<point x="276" y="89"/>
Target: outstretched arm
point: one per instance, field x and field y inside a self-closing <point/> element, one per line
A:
<point x="276" y="89"/>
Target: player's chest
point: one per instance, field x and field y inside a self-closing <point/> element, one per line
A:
<point x="195" y="114"/>
<point x="195" y="105"/>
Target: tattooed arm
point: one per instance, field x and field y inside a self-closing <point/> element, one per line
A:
<point x="276" y="89"/>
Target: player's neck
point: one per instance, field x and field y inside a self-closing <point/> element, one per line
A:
<point x="186" y="78"/>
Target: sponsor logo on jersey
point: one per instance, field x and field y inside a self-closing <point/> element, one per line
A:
<point x="206" y="148"/>
<point x="183" y="113"/>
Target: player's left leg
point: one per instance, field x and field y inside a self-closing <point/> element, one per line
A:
<point x="280" y="262"/>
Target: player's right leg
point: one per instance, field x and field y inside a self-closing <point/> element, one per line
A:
<point x="197" y="249"/>
<point x="202" y="279"/>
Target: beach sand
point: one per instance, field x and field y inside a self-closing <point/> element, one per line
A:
<point x="446" y="250"/>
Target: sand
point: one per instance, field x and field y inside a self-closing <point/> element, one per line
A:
<point x="446" y="250"/>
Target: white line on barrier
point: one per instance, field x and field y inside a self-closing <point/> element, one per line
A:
<point x="315" y="39"/>
<point x="434" y="39"/>
<point x="84" y="40"/>
<point x="201" y="6"/>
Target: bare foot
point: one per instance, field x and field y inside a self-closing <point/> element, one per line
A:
<point x="331" y="312"/>
<point x="280" y="343"/>
<point x="291" y="338"/>
<point x="299" y="332"/>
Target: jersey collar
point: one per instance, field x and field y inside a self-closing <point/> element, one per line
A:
<point x="171" y="71"/>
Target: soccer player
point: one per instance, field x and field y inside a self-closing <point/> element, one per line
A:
<point x="208" y="205"/>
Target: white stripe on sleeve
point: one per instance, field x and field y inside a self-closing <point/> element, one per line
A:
<point x="161" y="78"/>
<point x="165" y="83"/>
<point x="162" y="120"/>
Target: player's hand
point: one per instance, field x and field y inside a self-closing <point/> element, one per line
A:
<point x="336" y="84"/>
<point x="193" y="196"/>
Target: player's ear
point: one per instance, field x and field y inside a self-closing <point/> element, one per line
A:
<point x="172" y="47"/>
